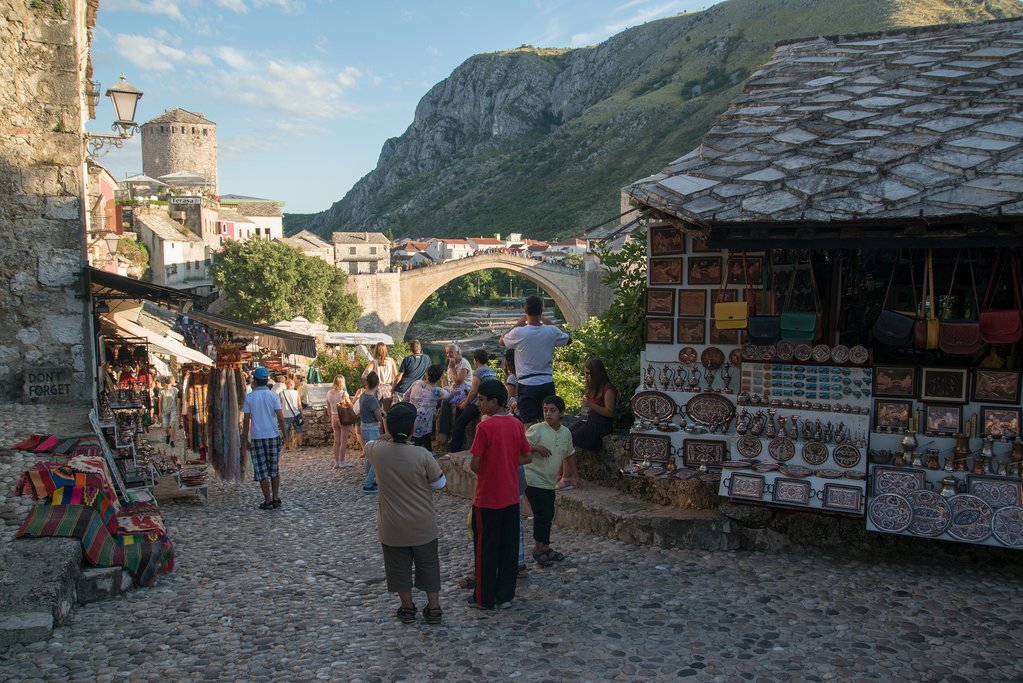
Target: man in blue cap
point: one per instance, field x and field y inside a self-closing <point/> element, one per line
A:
<point x="261" y="407"/>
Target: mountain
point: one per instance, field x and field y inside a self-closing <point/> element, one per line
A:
<point x="539" y="141"/>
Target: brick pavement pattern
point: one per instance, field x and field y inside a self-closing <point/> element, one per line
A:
<point x="297" y="594"/>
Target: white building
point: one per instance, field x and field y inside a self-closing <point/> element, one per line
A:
<point x="449" y="249"/>
<point x="265" y="214"/>
<point x="482" y="245"/>
<point x="177" y="256"/>
<point x="361" y="252"/>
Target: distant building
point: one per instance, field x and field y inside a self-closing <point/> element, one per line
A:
<point x="232" y="225"/>
<point x="571" y="246"/>
<point x="104" y="216"/>
<point x="180" y="140"/>
<point x="361" y="252"/>
<point x="410" y="255"/>
<point x="486" y="244"/>
<point x="448" y="249"/>
<point x="311" y="245"/>
<point x="177" y="256"/>
<point x="265" y="214"/>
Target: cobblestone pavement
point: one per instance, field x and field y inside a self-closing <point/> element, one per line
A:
<point x="297" y="594"/>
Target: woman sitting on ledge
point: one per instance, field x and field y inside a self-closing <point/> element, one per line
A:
<point x="597" y="420"/>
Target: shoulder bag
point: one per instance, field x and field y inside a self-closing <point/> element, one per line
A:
<point x="802" y="325"/>
<point x="345" y="413"/>
<point x="731" y="315"/>
<point x="1003" y="326"/>
<point x="891" y="327"/>
<point x="959" y="337"/>
<point x="765" y="328"/>
<point x="298" y="419"/>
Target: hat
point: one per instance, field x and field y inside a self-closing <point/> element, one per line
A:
<point x="261" y="374"/>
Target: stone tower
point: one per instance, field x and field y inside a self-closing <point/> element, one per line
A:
<point x="180" y="140"/>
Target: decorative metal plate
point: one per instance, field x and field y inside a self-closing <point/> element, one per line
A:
<point x="688" y="355"/>
<point x="890" y="512"/>
<point x="712" y="358"/>
<point x="737" y="464"/>
<point x="653" y="405"/>
<point x="971" y="518"/>
<point x="686" y="474"/>
<point x="735" y="357"/>
<point x="995" y="491"/>
<point x="710" y="477"/>
<point x="765" y="467"/>
<point x="815" y="453"/>
<point x="821" y="353"/>
<point x="697" y="452"/>
<point x="842" y="498"/>
<point x="653" y="471"/>
<point x="785" y="350"/>
<point x="749" y="446"/>
<point x="896" y="480"/>
<point x="710" y="409"/>
<point x="650" y="448"/>
<point x="931" y="514"/>
<point x="781" y="448"/>
<point x="749" y="351"/>
<point x="803" y="352"/>
<point x="858" y="355"/>
<point x="846" y="455"/>
<point x="749" y="486"/>
<point x="840" y="353"/>
<point x="829" y="474"/>
<point x="1007" y="526"/>
<point x="767" y="352"/>
<point x="855" y="474"/>
<point x="791" y="491"/>
<point x="795" y="471"/>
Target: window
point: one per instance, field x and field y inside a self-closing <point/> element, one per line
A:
<point x="204" y="131"/>
<point x="188" y="265"/>
<point x="161" y="129"/>
<point x="353" y="268"/>
<point x="193" y="130"/>
<point x="351" y="251"/>
<point x="174" y="129"/>
<point x="373" y="251"/>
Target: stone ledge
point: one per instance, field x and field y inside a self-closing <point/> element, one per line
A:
<point x="47" y="571"/>
<point x="102" y="583"/>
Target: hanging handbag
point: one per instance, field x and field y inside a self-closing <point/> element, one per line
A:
<point x="959" y="337"/>
<point x="801" y="325"/>
<point x="932" y="305"/>
<point x="297" y="419"/>
<point x="765" y="329"/>
<point x="731" y="315"/>
<point x="891" y="327"/>
<point x="1004" y="326"/>
<point x="345" y="413"/>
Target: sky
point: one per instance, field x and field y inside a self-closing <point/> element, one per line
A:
<point x="305" y="92"/>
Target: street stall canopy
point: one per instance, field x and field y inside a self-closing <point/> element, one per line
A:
<point x="915" y="135"/>
<point x="160" y="343"/>
<point x="121" y="292"/>
<point x="143" y="180"/>
<point x="356" y="338"/>
<point x="270" y="338"/>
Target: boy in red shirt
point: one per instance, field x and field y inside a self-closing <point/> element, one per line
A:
<point x="497" y="451"/>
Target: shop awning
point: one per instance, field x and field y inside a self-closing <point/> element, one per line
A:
<point x="114" y="287"/>
<point x="270" y="338"/>
<point x="356" y="338"/>
<point x="157" y="341"/>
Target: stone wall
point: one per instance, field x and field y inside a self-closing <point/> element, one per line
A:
<point x="182" y="150"/>
<point x="380" y="297"/>
<point x="43" y="62"/>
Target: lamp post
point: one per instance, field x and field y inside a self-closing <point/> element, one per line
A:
<point x="125" y="98"/>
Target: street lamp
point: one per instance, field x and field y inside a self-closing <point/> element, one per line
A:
<point x="125" y="98"/>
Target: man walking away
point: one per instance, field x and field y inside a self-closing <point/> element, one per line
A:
<point x="263" y="414"/>
<point x="534" y="339"/>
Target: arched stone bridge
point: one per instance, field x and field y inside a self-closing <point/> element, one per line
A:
<point x="390" y="300"/>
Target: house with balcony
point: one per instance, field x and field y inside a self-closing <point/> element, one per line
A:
<point x="359" y="253"/>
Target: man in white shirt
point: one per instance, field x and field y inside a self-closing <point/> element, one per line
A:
<point x="263" y="414"/>
<point x="534" y="339"/>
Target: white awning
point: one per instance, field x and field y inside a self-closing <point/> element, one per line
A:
<point x="355" y="338"/>
<point x="160" y="344"/>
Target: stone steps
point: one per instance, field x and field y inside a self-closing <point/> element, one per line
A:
<point x="44" y="591"/>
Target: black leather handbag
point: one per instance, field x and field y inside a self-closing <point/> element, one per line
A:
<point x="891" y="327"/>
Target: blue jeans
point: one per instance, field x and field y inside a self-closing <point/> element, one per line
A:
<point x="370" y="431"/>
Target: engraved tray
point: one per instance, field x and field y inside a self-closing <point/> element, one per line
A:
<point x="971" y="518"/>
<point x="709" y="409"/>
<point x="653" y="405"/>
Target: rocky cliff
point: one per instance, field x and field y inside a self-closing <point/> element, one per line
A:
<point x="539" y="141"/>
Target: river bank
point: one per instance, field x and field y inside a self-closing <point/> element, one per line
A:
<point x="473" y="328"/>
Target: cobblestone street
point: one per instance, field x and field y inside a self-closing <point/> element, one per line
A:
<point x="297" y="594"/>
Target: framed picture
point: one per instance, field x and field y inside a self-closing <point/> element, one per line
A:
<point x="666" y="240"/>
<point x="692" y="302"/>
<point x="996" y="386"/>
<point x="723" y="336"/>
<point x="658" y="330"/>
<point x="665" y="271"/>
<point x="724" y="296"/>
<point x="999" y="422"/>
<point x="944" y="384"/>
<point x="892" y="415"/>
<point x="660" y="302"/>
<point x="895" y="381"/>
<point x="943" y="418"/>
<point x="704" y="270"/>
<point x="754" y="268"/>
<point x="692" y="331"/>
<point x="700" y="247"/>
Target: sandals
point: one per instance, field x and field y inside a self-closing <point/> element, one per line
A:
<point x="276" y="503"/>
<point x="542" y="559"/>
<point x="265" y="505"/>
<point x="433" y="615"/>
<point x="407" y="615"/>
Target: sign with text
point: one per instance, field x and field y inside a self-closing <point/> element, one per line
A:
<point x="185" y="200"/>
<point x="48" y="385"/>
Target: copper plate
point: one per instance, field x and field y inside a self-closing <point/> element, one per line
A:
<point x="1007" y="526"/>
<point x="846" y="455"/>
<point x="710" y="477"/>
<point x="650" y="448"/>
<point x="687" y="355"/>
<point x="795" y="471"/>
<point x="735" y="358"/>
<point x="971" y="518"/>
<point x="931" y="514"/>
<point x="712" y="358"/>
<point x="767" y="352"/>
<point x="821" y="353"/>
<point x="781" y="448"/>
<point x="855" y="474"/>
<point x="786" y="350"/>
<point x="765" y="467"/>
<point x="803" y="352"/>
<point x="840" y="353"/>
<point x="749" y="351"/>
<point x="653" y="405"/>
<point x="858" y="355"/>
<point x="735" y="464"/>
<point x="829" y="474"/>
<point x="890" y="512"/>
<point x="749" y="446"/>
<point x="815" y="453"/>
<point x="710" y="409"/>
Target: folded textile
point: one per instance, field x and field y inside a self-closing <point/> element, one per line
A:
<point x="29" y="443"/>
<point x="46" y="444"/>
<point x="42" y="479"/>
<point x="91" y="496"/>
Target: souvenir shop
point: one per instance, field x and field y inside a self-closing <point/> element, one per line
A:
<point x="813" y="374"/>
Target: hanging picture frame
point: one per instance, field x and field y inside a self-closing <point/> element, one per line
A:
<point x="691" y="331"/>
<point x="665" y="271"/>
<point x="754" y="267"/>
<point x="944" y="384"/>
<point x="943" y="418"/>
<point x="996" y="386"/>
<point x="659" y="331"/>
<point x="704" y="270"/>
<point x="660" y="302"/>
<point x="892" y="415"/>
<point x="895" y="381"/>
<point x="1000" y="422"/>
<point x="666" y="240"/>
<point x="692" y="303"/>
<point x="700" y="247"/>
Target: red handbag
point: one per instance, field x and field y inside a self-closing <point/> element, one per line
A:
<point x="959" y="337"/>
<point x="1003" y="326"/>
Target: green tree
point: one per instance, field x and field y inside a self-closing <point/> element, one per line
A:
<point x="269" y="281"/>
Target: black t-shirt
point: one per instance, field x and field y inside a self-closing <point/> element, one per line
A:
<point x="412" y="367"/>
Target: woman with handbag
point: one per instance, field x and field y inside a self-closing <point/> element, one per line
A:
<point x="342" y="417"/>
<point x="292" y="406"/>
